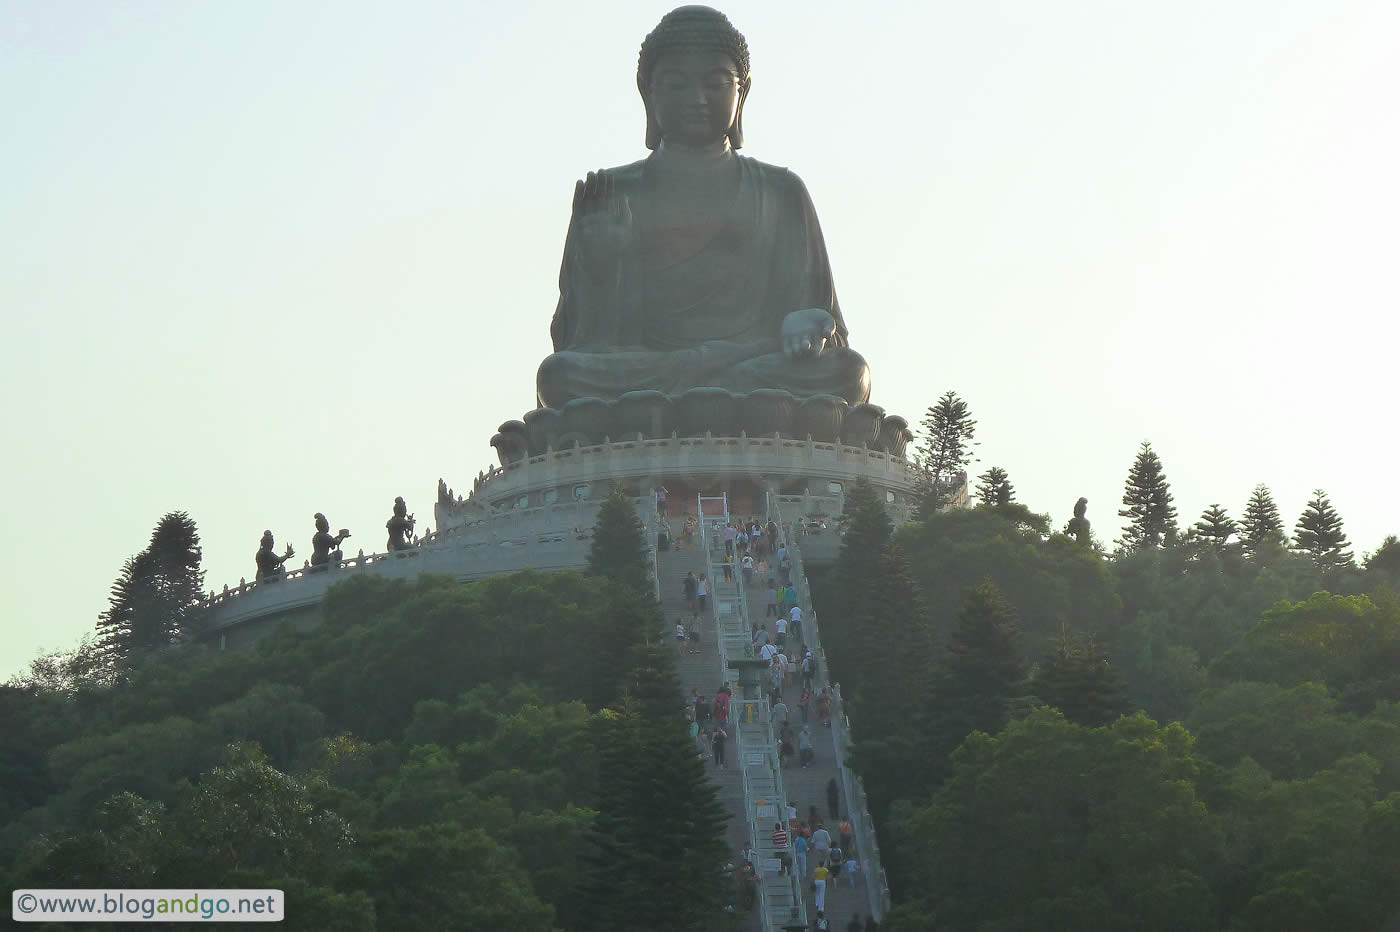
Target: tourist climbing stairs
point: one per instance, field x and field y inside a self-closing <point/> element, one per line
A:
<point x="865" y="892"/>
<point x="702" y="672"/>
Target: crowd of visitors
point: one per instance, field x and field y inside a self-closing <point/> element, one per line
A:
<point x="804" y="848"/>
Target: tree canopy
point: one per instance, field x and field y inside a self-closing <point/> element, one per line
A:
<point x="1147" y="504"/>
<point x="432" y="755"/>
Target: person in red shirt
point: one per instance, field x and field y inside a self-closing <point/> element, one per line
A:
<point x="780" y="843"/>
<point x="721" y="711"/>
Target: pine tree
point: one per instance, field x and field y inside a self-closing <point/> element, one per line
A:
<point x="1262" y="527"/>
<point x="946" y="449"/>
<point x="657" y="847"/>
<point x="159" y="595"/>
<point x="1383" y="566"/>
<point x="619" y="549"/>
<point x="893" y="650"/>
<point x="866" y="532"/>
<point x="995" y="489"/>
<point x="982" y="672"/>
<point x="1147" y="500"/>
<point x="1215" y="528"/>
<point x="1078" y="679"/>
<point x="1319" y="532"/>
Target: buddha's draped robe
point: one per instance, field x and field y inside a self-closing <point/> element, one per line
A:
<point x="701" y="302"/>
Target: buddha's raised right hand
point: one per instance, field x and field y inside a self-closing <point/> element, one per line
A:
<point x="602" y="221"/>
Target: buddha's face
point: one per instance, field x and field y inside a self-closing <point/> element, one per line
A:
<point x="694" y="96"/>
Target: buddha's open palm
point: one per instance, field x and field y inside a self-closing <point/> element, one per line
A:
<point x="806" y="332"/>
<point x="602" y="219"/>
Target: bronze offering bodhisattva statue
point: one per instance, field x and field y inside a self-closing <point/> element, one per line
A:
<point x="269" y="563"/>
<point x="400" y="526"/>
<point x="323" y="541"/>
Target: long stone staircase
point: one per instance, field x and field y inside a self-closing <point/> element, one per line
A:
<point x="753" y="788"/>
<point x="807" y="786"/>
<point x="703" y="672"/>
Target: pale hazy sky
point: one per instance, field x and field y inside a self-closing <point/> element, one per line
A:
<point x="266" y="259"/>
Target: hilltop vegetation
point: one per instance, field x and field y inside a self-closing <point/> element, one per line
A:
<point x="433" y="756"/>
<point x="1191" y="733"/>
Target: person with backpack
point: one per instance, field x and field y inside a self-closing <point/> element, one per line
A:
<point x="717" y="745"/>
<point x="821" y="844"/>
<point x="690" y="587"/>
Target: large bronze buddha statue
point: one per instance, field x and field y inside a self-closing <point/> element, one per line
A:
<point x="696" y="266"/>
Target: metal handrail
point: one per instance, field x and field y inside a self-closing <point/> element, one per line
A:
<point x="650" y="531"/>
<point x="862" y="826"/>
<point x="766" y="740"/>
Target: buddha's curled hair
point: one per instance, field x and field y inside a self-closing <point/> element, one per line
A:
<point x="692" y="27"/>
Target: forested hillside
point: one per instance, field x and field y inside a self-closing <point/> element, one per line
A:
<point x="1197" y="731"/>
<point x="509" y="754"/>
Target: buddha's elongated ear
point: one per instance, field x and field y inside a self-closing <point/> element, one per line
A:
<point x="736" y="132"/>
<point x="653" y="129"/>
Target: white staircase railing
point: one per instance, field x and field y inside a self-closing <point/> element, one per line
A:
<point x="862" y="826"/>
<point x="755" y="749"/>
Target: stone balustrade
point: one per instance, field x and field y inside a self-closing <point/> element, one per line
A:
<point x="591" y="468"/>
<point x="548" y="538"/>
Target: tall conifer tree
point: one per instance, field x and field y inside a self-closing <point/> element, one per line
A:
<point x="982" y="672"/>
<point x="1147" y="501"/>
<point x="1078" y="679"/>
<point x="158" y="596"/>
<point x="1261" y="530"/>
<point x="657" y="850"/>
<point x="945" y="450"/>
<point x="619" y="549"/>
<point x="1215" y="527"/>
<point x="995" y="489"/>
<point x="866" y="532"/>
<point x="1319" y="532"/>
<point x="893" y="649"/>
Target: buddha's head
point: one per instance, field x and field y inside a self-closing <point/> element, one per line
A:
<point x="322" y="524"/>
<point x="400" y="507"/>
<point x="693" y="74"/>
<point x="266" y="543"/>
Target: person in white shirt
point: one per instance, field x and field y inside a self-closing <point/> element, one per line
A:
<point x="768" y="652"/>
